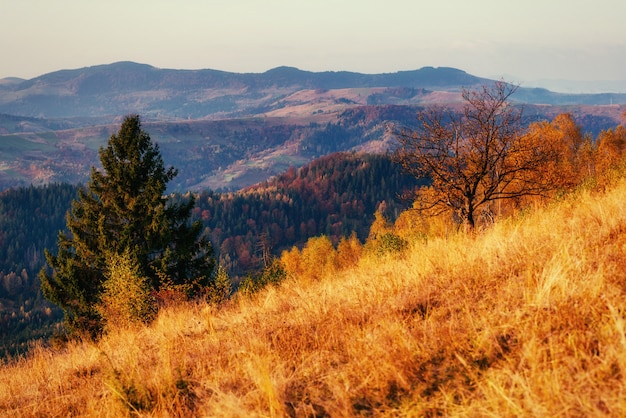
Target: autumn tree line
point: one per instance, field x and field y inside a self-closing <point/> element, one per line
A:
<point x="482" y="156"/>
<point x="479" y="164"/>
<point x="334" y="196"/>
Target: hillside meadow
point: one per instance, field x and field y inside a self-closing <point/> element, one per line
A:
<point x="524" y="318"/>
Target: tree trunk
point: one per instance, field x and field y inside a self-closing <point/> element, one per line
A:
<point x="468" y="221"/>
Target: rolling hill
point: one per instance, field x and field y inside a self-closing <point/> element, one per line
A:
<point x="127" y="87"/>
<point x="524" y="319"/>
<point x="229" y="130"/>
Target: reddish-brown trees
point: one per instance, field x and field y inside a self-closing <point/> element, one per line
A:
<point x="474" y="157"/>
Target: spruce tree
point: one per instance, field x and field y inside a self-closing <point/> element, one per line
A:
<point x="124" y="210"/>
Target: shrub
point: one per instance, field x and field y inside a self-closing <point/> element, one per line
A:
<point x="390" y="243"/>
<point x="126" y="299"/>
<point x="222" y="287"/>
<point x="273" y="274"/>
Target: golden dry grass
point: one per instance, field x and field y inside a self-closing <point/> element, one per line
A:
<point x="524" y="319"/>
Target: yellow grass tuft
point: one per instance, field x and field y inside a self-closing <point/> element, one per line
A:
<point x="523" y="319"/>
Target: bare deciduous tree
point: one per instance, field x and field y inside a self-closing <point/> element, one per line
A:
<point x="475" y="156"/>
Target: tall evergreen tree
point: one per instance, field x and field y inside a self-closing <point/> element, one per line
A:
<point x="123" y="209"/>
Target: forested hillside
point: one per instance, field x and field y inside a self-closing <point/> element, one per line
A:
<point x="335" y="195"/>
<point x="29" y="221"/>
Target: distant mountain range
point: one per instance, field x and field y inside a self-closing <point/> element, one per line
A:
<point x="229" y="130"/>
<point x="126" y="87"/>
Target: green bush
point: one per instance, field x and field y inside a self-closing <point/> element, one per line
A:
<point x="222" y="287"/>
<point x="388" y="243"/>
<point x="126" y="299"/>
<point x="273" y="274"/>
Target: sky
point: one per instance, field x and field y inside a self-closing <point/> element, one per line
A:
<point x="518" y="41"/>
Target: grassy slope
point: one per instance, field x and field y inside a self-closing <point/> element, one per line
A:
<point x="525" y="319"/>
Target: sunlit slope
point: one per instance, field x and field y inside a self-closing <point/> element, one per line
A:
<point x="525" y="319"/>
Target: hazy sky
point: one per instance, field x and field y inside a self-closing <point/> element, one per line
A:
<point x="518" y="40"/>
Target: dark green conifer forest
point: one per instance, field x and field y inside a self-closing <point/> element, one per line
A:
<point x="334" y="195"/>
<point x="30" y="218"/>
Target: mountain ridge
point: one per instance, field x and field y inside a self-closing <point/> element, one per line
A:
<point x="110" y="90"/>
<point x="118" y="88"/>
<point x="229" y="130"/>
